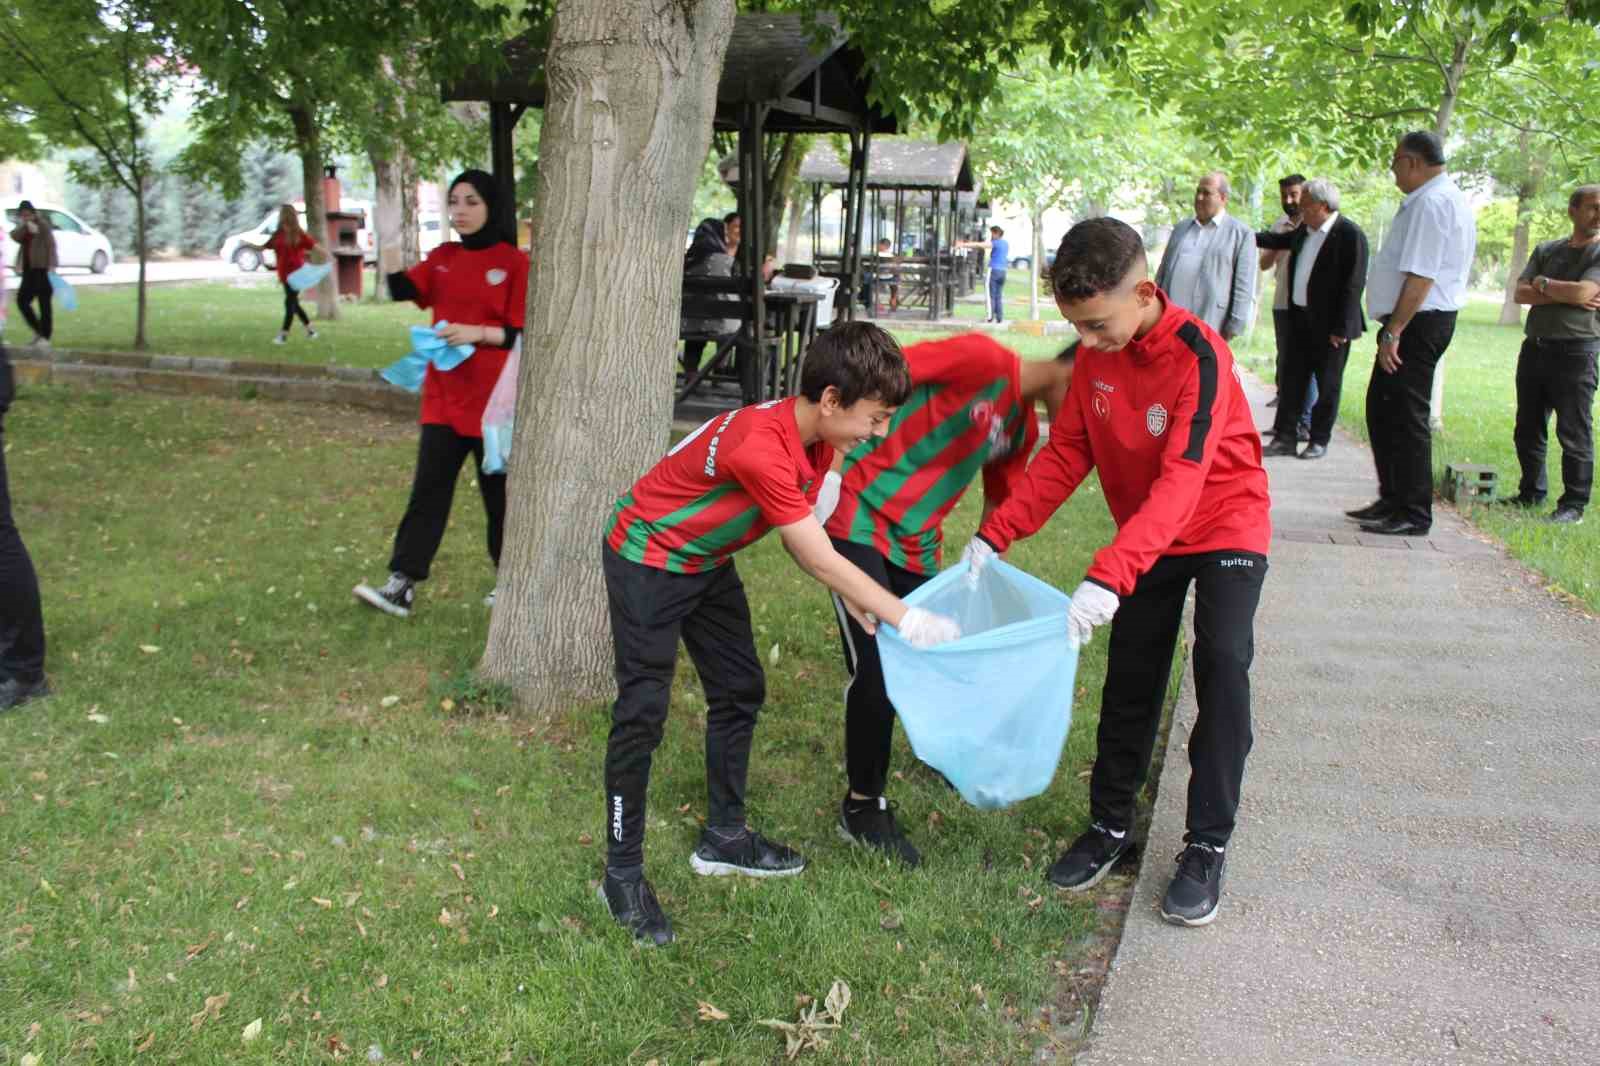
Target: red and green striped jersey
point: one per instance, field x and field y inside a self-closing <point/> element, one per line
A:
<point x="965" y="413"/>
<point x="720" y="488"/>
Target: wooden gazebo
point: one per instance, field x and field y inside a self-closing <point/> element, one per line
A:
<point x="903" y="176"/>
<point x="781" y="75"/>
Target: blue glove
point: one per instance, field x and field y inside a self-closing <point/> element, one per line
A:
<point x="426" y="347"/>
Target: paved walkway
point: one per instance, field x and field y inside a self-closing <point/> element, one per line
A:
<point x="1416" y="873"/>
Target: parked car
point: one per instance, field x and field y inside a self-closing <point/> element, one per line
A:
<point x="78" y="244"/>
<point x="248" y="250"/>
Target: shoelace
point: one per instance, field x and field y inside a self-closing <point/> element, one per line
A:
<point x="1195" y="862"/>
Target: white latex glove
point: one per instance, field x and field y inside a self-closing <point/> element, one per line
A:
<point x="924" y="629"/>
<point x="976" y="555"/>
<point x="827" y="497"/>
<point x="1092" y="605"/>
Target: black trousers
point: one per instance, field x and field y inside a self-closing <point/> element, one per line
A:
<point x="292" y="309"/>
<point x="1397" y="417"/>
<point x="1144" y="634"/>
<point x="1310" y="358"/>
<point x="1559" y="378"/>
<point x="21" y="619"/>
<point x="35" y="290"/>
<point x="650" y="609"/>
<point x="440" y="454"/>
<point x="868" y="714"/>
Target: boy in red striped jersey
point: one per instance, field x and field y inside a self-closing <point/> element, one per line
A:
<point x="669" y="571"/>
<point x="971" y="407"/>
<point x="1158" y="408"/>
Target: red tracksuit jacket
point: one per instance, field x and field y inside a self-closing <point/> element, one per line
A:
<point x="1166" y="422"/>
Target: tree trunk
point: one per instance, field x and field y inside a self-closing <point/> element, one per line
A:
<point x="1441" y="126"/>
<point x="1510" y="310"/>
<point x="308" y="143"/>
<point x="627" y="123"/>
<point x="780" y="183"/>
<point x="797" y="219"/>
<point x="144" y="256"/>
<point x="445" y="232"/>
<point x="394" y="213"/>
<point x="1036" y="262"/>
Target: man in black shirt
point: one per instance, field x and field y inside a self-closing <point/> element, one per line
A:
<point x="1556" y="367"/>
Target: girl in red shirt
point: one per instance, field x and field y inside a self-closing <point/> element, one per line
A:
<point x="290" y="243"/>
<point x="475" y="289"/>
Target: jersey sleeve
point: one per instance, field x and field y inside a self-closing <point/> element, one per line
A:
<point x="1054" y="474"/>
<point x="1191" y="446"/>
<point x="421" y="277"/>
<point x="1535" y="265"/>
<point x="767" y="472"/>
<point x="968" y="361"/>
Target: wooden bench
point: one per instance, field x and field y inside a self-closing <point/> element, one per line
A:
<point x="729" y="299"/>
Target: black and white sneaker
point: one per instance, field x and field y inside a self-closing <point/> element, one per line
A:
<point x="1090" y="858"/>
<point x="871" y="823"/>
<point x="395" y="597"/>
<point x="1193" y="896"/>
<point x="14" y="692"/>
<point x="750" y="854"/>
<point x="633" y="904"/>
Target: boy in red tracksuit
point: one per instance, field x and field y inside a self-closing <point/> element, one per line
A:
<point x="668" y="561"/>
<point x="1156" y="405"/>
<point x="971" y="407"/>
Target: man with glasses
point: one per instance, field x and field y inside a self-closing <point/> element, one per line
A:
<point x="1418" y="283"/>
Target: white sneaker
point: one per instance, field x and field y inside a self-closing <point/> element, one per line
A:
<point x="280" y="339"/>
<point x="311" y="334"/>
<point x="394" y="598"/>
<point x="44" y="344"/>
<point x="488" y="601"/>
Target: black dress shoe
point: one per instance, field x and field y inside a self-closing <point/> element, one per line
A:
<point x="1371" y="512"/>
<point x="15" y="692"/>
<point x="1314" y="451"/>
<point x="1279" y="446"/>
<point x="1302" y="433"/>
<point x="1395" y="526"/>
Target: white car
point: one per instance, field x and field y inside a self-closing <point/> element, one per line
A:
<point x="248" y="250"/>
<point x="78" y="244"/>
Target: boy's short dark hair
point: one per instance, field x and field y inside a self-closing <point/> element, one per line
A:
<point x="861" y="361"/>
<point x="1292" y="179"/>
<point x="1094" y="257"/>
<point x="997" y="231"/>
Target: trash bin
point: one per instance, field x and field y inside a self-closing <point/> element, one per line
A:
<point x="823" y="287"/>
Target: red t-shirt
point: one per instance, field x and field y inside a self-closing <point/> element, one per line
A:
<point x="965" y="412"/>
<point x="487" y="287"/>
<point x="720" y="488"/>
<point x="1166" y="422"/>
<point x="290" y="257"/>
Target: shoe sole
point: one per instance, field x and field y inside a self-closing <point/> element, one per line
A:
<point x="370" y="597"/>
<point x="865" y="845"/>
<point x="1099" y="875"/>
<point x="706" y="868"/>
<point x="642" y="941"/>
<point x="1193" y="923"/>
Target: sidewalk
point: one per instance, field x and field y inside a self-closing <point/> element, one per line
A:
<point x="1415" y="874"/>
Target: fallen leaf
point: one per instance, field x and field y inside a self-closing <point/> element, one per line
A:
<point x="33" y="1031"/>
<point x="773" y="655"/>
<point x="838" y="999"/>
<point x="447" y="705"/>
<point x="445" y="917"/>
<point x="389" y="701"/>
<point x="325" y="904"/>
<point x="30" y="1059"/>
<point x="243" y="902"/>
<point x="133" y="981"/>
<point x="193" y="951"/>
<point x="147" y="1043"/>
<point x="585" y="839"/>
<point x="455" y="868"/>
<point x="709" y="1013"/>
<point x="382" y="981"/>
<point x="494" y="911"/>
<point x="98" y="719"/>
<point x="212" y="1009"/>
<point x="149" y="649"/>
<point x="889" y="921"/>
<point x="350" y="899"/>
<point x="251" y="1031"/>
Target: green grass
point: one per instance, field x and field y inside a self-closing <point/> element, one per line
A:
<point x="246" y="786"/>
<point x="1479" y="410"/>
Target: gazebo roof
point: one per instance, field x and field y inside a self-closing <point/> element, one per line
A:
<point x="896" y="163"/>
<point x="772" y="60"/>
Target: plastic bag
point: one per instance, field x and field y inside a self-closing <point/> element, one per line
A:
<point x="498" y="414"/>
<point x="990" y="711"/>
<point x="66" y="296"/>
<point x="427" y="347"/>
<point x="308" y="276"/>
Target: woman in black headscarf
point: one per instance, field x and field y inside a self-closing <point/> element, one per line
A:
<point x="707" y="257"/>
<point x="475" y="289"/>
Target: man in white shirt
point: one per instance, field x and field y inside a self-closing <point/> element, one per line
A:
<point x="1209" y="265"/>
<point x="1418" y="283"/>
<point x="1277" y="260"/>
<point x="1326" y="272"/>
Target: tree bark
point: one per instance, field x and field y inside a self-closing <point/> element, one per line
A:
<point x="1453" y="73"/>
<point x="797" y="217"/>
<point x="780" y="183"/>
<point x="144" y="257"/>
<point x="1528" y="190"/>
<point x="632" y="90"/>
<point x="395" y="212"/>
<point x="1036" y="261"/>
<point x="308" y="143"/>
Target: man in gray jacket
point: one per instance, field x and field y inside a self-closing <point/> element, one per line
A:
<point x="1209" y="267"/>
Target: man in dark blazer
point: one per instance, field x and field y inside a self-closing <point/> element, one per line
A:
<point x="1327" y="273"/>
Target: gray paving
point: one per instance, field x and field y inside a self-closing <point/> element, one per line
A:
<point x="1416" y="870"/>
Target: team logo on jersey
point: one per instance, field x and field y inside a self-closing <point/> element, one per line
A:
<point x="495" y="276"/>
<point x="1101" y="406"/>
<point x="1155" y="420"/>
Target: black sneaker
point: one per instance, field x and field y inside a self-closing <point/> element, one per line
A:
<point x="1519" y="500"/>
<point x="1192" y="897"/>
<point x="1087" y="862"/>
<point x="872" y="825"/>
<point x="632" y="902"/>
<point x="1566" y="516"/>
<point x="751" y="854"/>
<point x="14" y="693"/>
<point x="395" y="597"/>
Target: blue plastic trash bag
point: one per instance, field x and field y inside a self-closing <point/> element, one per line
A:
<point x="426" y="347"/>
<point x="66" y="296"/>
<point x="308" y="275"/>
<point x="989" y="711"/>
<point x="499" y="414"/>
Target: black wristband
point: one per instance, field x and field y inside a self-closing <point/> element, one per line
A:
<point x="401" y="287"/>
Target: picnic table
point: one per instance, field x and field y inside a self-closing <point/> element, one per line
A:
<point x="773" y="372"/>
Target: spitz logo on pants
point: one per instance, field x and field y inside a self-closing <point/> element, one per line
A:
<point x="1155" y="420"/>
